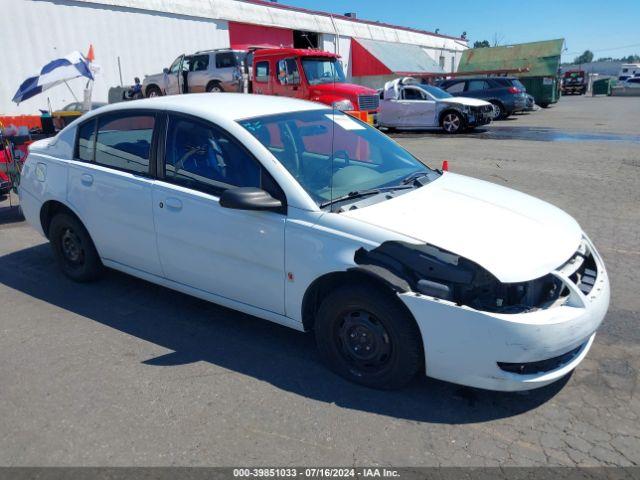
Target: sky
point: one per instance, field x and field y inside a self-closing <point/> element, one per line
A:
<point x="609" y="29"/>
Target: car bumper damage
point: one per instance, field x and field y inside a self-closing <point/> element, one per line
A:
<point x="478" y="116"/>
<point x="517" y="336"/>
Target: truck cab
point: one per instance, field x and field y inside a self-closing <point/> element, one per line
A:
<point x="310" y="75"/>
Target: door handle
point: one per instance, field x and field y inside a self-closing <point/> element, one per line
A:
<point x="86" y="179"/>
<point x="173" y="204"/>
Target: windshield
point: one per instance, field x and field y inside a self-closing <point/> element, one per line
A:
<point x="331" y="154"/>
<point x="322" y="70"/>
<point x="435" y="91"/>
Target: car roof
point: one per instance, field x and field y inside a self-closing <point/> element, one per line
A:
<point x="215" y="106"/>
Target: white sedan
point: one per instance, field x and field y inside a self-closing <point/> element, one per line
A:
<point x="304" y="216"/>
<point x="409" y="105"/>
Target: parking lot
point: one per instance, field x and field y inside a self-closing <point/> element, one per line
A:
<point x="123" y="372"/>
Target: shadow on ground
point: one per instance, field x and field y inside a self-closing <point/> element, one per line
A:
<point x="200" y="331"/>
<point x="9" y="213"/>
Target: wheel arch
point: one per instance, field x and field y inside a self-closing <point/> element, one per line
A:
<point x="323" y="285"/>
<point x="50" y="209"/>
<point x="149" y="87"/>
<point x="213" y="81"/>
<point x="451" y="110"/>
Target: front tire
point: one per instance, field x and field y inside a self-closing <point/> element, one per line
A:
<point x="452" y="122"/>
<point x="73" y="249"/>
<point x="365" y="336"/>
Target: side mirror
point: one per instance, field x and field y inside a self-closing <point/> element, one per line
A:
<point x="249" y="198"/>
<point x="165" y="70"/>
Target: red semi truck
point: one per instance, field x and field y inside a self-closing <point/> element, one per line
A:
<point x="310" y="75"/>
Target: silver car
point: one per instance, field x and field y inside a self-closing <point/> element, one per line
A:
<point x="205" y="71"/>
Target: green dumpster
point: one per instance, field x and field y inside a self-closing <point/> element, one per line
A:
<point x="602" y="87"/>
<point x="545" y="90"/>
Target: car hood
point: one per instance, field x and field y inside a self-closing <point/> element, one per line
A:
<point x="154" y="77"/>
<point x="514" y="236"/>
<point x="472" y="102"/>
<point x="345" y="89"/>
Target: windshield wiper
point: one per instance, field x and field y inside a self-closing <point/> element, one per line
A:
<point x="363" y="193"/>
<point x="412" y="178"/>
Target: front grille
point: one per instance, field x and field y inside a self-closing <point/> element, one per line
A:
<point x="541" y="366"/>
<point x="483" y="110"/>
<point x="368" y="102"/>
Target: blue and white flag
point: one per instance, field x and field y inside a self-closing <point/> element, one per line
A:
<point x="54" y="73"/>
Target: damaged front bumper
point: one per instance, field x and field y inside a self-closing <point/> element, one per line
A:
<point x="518" y="351"/>
<point x="479" y="116"/>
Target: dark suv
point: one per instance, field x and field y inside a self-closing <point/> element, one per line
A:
<point x="507" y="94"/>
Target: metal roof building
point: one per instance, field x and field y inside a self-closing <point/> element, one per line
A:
<point x="535" y="59"/>
<point x="138" y="37"/>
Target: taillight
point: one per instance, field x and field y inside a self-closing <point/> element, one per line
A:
<point x="514" y="90"/>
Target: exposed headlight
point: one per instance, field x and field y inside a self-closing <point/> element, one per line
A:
<point x="342" y="105"/>
<point x="431" y="271"/>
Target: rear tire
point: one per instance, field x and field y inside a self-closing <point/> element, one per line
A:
<point x="365" y="336"/>
<point x="214" y="87"/>
<point x="500" y="112"/>
<point x="73" y="248"/>
<point x="153" y="91"/>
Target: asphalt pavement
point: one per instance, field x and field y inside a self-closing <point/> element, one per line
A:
<point x="122" y="372"/>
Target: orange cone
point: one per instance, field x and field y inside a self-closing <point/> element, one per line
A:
<point x="90" y="55"/>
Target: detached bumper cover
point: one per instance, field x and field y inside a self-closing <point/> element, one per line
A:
<point x="470" y="347"/>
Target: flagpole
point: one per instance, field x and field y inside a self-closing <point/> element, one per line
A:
<point x="74" y="95"/>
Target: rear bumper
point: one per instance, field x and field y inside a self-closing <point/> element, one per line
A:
<point x="480" y="349"/>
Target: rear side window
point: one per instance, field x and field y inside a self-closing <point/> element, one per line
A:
<point x="124" y="142"/>
<point x="475" y="85"/>
<point x="86" y="141"/>
<point x="262" y="72"/>
<point x="199" y="63"/>
<point x="226" y="60"/>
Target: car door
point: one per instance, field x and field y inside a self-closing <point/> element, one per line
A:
<point x="173" y="77"/>
<point x="420" y="109"/>
<point x="236" y="254"/>
<point x="110" y="187"/>
<point x="228" y="71"/>
<point x="198" y="75"/>
<point x="288" y="80"/>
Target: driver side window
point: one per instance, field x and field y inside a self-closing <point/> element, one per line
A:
<point x="175" y="66"/>
<point x="412" y="93"/>
<point x="288" y="73"/>
<point x="202" y="157"/>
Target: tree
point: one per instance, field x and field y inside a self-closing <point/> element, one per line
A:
<point x="586" y="57"/>
<point x="482" y="44"/>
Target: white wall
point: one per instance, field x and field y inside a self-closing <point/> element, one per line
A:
<point x="342" y="47"/>
<point x="34" y="32"/>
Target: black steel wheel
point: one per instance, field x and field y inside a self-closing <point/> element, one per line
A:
<point x="366" y="336"/>
<point x="73" y="248"/>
